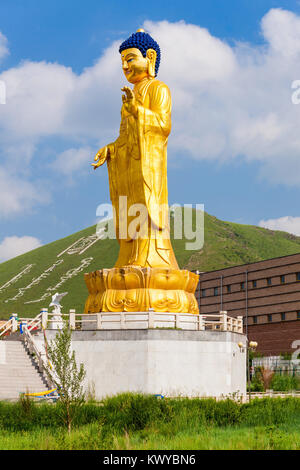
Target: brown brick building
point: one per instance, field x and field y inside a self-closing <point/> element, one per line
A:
<point x="265" y="293"/>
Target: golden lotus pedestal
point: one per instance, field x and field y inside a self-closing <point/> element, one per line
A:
<point x="136" y="289"/>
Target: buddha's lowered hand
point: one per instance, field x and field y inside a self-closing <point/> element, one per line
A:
<point x="101" y="156"/>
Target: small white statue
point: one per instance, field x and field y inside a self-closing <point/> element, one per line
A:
<point x="57" y="321"/>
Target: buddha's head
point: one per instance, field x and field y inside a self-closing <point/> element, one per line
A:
<point x="140" y="56"/>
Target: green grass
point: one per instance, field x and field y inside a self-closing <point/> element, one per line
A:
<point x="89" y="437"/>
<point x="226" y="244"/>
<point x="129" y="421"/>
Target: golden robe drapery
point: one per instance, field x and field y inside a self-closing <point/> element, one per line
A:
<point x="137" y="168"/>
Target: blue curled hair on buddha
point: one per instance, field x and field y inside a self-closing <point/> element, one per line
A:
<point x="143" y="42"/>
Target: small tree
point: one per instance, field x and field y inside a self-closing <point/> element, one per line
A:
<point x="266" y="377"/>
<point x="66" y="375"/>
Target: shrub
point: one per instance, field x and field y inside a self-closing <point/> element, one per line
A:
<point x="68" y="377"/>
<point x="256" y="383"/>
<point x="281" y="383"/>
<point x="133" y="412"/>
<point x="269" y="411"/>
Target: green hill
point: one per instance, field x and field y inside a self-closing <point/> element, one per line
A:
<point x="27" y="282"/>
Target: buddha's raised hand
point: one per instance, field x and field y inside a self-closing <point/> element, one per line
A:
<point x="129" y="100"/>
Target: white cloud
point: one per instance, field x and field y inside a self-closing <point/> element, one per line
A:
<point x="228" y="101"/>
<point x="3" y="46"/>
<point x="286" y="224"/>
<point x="281" y="28"/>
<point x="18" y="195"/>
<point x="235" y="102"/>
<point x="73" y="160"/>
<point x="15" y="246"/>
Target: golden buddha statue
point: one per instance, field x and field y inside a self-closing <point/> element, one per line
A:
<point x="146" y="274"/>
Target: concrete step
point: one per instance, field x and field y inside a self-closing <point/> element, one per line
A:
<point x="37" y="386"/>
<point x="18" y="364"/>
<point x="19" y="377"/>
<point x="9" y="372"/>
<point x="20" y="380"/>
<point x="26" y="362"/>
<point x="13" y="345"/>
<point x="23" y="389"/>
<point x="14" y="369"/>
<point x="19" y="372"/>
<point x="22" y="385"/>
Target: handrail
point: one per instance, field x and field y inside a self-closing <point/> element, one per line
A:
<point x="8" y="326"/>
<point x="11" y="324"/>
<point x="144" y="320"/>
<point x="150" y="319"/>
<point x="42" y="364"/>
<point x="37" y="319"/>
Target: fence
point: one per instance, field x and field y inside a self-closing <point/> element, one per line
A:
<point x="278" y="365"/>
<point x="126" y="320"/>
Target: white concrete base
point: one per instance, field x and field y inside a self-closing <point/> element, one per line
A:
<point x="160" y="361"/>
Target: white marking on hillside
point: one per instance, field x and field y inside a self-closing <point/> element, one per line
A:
<point x="35" y="281"/>
<point x="17" y="277"/>
<point x="68" y="275"/>
<point x="83" y="244"/>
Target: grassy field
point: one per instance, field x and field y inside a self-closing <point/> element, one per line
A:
<point x="206" y="438"/>
<point x="135" y="422"/>
<point x="226" y="244"/>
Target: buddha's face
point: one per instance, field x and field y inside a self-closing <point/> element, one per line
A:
<point x="135" y="66"/>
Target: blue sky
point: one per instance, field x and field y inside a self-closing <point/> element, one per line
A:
<point x="234" y="145"/>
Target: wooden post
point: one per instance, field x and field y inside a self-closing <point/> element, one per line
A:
<point x="201" y="324"/>
<point x="44" y="313"/>
<point x="224" y="320"/>
<point x="14" y="323"/>
<point x="240" y="324"/>
<point x="151" y="318"/>
<point x="24" y="325"/>
<point x="123" y="321"/>
<point x="99" y="321"/>
<point x="72" y="319"/>
<point x="177" y="320"/>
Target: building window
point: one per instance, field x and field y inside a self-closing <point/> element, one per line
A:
<point x="203" y="293"/>
<point x="282" y="279"/>
<point x="255" y="319"/>
<point x="282" y="316"/>
<point x="242" y="286"/>
<point x="298" y="315"/>
<point x="254" y="284"/>
<point x="269" y="318"/>
<point x="269" y="281"/>
<point x="297" y="276"/>
<point x="228" y="289"/>
<point x="216" y="291"/>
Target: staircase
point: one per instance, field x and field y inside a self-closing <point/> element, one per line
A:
<point x="18" y="371"/>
